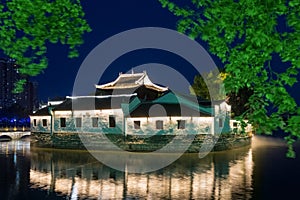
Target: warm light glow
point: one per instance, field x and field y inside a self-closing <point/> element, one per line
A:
<point x="40" y="179"/>
<point x="215" y="176"/>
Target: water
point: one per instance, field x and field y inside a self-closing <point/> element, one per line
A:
<point x="258" y="172"/>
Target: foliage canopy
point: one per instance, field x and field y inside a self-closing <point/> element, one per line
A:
<point x="213" y="80"/>
<point x="27" y="26"/>
<point x="247" y="36"/>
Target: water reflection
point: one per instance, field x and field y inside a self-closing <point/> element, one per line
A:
<point x="14" y="169"/>
<point x="31" y="173"/>
<point x="76" y="174"/>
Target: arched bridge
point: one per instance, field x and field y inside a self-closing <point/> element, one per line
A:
<point x="15" y="135"/>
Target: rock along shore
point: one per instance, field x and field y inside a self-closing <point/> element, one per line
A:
<point x="92" y="141"/>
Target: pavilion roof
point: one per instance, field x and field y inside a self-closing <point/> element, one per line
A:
<point x="134" y="80"/>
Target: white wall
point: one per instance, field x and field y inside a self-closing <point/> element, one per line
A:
<point x="86" y="116"/>
<point x="193" y="125"/>
<point x="39" y="123"/>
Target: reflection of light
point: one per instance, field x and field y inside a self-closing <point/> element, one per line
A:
<point x="180" y="187"/>
<point x="74" y="194"/>
<point x="6" y="149"/>
<point x="111" y="189"/>
<point x="40" y="180"/>
<point x="64" y="186"/>
<point x="137" y="184"/>
<point x="161" y="182"/>
<point x="17" y="178"/>
<point x="240" y="175"/>
<point x="203" y="184"/>
<point x="15" y="158"/>
<point x="261" y="141"/>
<point x="204" y="180"/>
<point x="83" y="188"/>
<point x="16" y="147"/>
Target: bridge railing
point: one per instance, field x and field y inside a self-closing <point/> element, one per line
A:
<point x="16" y="128"/>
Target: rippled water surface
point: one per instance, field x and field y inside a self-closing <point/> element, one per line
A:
<point x="259" y="171"/>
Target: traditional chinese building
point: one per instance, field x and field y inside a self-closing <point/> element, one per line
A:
<point x="132" y="105"/>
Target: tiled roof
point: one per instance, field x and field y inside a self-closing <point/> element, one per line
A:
<point x="149" y="110"/>
<point x="91" y="103"/>
<point x="41" y="112"/>
<point x="130" y="80"/>
<point x="172" y="105"/>
<point x="134" y="80"/>
<point x="193" y="103"/>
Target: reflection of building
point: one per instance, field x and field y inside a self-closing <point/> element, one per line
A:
<point x="132" y="104"/>
<point x="9" y="75"/>
<point x="226" y="175"/>
<point x="15" y="168"/>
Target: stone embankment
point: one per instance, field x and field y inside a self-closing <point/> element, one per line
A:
<point x="92" y="141"/>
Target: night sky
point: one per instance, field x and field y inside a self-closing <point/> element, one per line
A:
<point x="106" y="19"/>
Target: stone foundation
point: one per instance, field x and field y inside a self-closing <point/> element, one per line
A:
<point x="94" y="141"/>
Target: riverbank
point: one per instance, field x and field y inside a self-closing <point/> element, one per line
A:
<point x="92" y="141"/>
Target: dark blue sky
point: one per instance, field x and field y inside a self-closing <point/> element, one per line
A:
<point x="106" y="19"/>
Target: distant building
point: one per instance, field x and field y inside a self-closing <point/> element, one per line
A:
<point x="9" y="75"/>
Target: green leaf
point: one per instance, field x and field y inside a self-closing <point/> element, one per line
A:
<point x="19" y="86"/>
<point x="246" y="40"/>
<point x="38" y="22"/>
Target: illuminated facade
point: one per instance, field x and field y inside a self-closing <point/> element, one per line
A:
<point x="132" y="104"/>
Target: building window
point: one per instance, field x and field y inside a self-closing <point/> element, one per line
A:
<point x="95" y="121"/>
<point x="62" y="122"/>
<point x="137" y="124"/>
<point x="78" y="121"/>
<point x="44" y="121"/>
<point x="159" y="124"/>
<point x="235" y="124"/>
<point x="34" y="122"/>
<point x="180" y="124"/>
<point x="220" y="122"/>
<point x="112" y="121"/>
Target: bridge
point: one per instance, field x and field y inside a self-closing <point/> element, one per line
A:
<point x="14" y="135"/>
